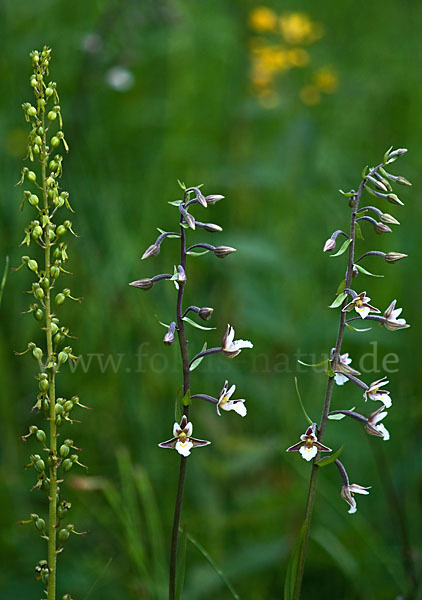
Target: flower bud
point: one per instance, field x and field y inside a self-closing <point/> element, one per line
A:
<point x="143" y="284"/>
<point x="181" y="275"/>
<point x="43" y="385"/>
<point x="31" y="176"/>
<point x="392" y="257"/>
<point x="64" y="450"/>
<point x="60" y="298"/>
<point x="67" y="464"/>
<point x="62" y="357"/>
<point x="32" y="265"/>
<point x="205" y="313"/>
<point x="33" y="200"/>
<point x="63" y="535"/>
<point x="394" y="199"/>
<point x="41" y="436"/>
<point x="388" y="219"/>
<point x="398" y="152"/>
<point x="40" y="524"/>
<point x="39" y="464"/>
<point x="153" y="250"/>
<point x="37" y="353"/>
<point x="169" y="337"/>
<point x="381" y="228"/>
<point x="52" y="115"/>
<point x="222" y="251"/>
<point x="212" y="227"/>
<point x="329" y="245"/>
<point x="54" y="271"/>
<point x="213" y="198"/>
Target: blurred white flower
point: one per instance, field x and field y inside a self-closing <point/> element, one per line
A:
<point x="120" y="79"/>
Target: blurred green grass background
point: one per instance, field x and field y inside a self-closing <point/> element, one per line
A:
<point x="158" y="90"/>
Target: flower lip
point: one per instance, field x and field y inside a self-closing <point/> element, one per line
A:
<point x="232" y="347"/>
<point x="375" y="393"/>
<point x="392" y="322"/>
<point x="182" y="439"/>
<point x="361" y="305"/>
<point x="309" y="446"/>
<point x="373" y="425"/>
<point x="225" y="402"/>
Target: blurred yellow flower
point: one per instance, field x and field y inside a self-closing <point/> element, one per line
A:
<point x="298" y="28"/>
<point x="263" y="19"/>
<point x="326" y="80"/>
<point x="310" y="95"/>
<point x="298" y="57"/>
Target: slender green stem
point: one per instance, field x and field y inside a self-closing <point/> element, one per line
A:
<point x="328" y="394"/>
<point x="186" y="387"/>
<point x="52" y="494"/>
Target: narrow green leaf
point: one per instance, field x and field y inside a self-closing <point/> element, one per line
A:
<point x="291" y="573"/>
<point x="161" y="323"/>
<point x="365" y="272"/>
<point x="170" y="237"/>
<point x="386" y="154"/>
<point x="330" y="371"/>
<point x="198" y="361"/>
<point x="181" y="184"/>
<point x="188" y="320"/>
<point x="339" y="416"/>
<point x="181" y="563"/>
<point x="358" y="231"/>
<point x="301" y="403"/>
<point x="214" y="566"/>
<point x="176" y="202"/>
<point x="329" y="459"/>
<point x="197" y="253"/>
<point x="364" y="172"/>
<point x="361" y="213"/>
<point x="186" y="399"/>
<point x="320" y="364"/>
<point x="339" y="300"/>
<point x="341" y="286"/>
<point x="347" y="194"/>
<point x="343" y="248"/>
<point x="356" y="329"/>
<point x="3" y="281"/>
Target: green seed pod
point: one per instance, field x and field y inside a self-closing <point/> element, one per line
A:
<point x="36" y="149"/>
<point x="52" y="115"/>
<point x="38" y="140"/>
<point x="31" y="111"/>
<point x="59" y="338"/>
<point x="67" y="464"/>
<point x="33" y="265"/>
<point x="37" y="232"/>
<point x="40" y="130"/>
<point x="58" y="409"/>
<point x="43" y="385"/>
<point x="59" y="421"/>
<point x="50" y="181"/>
<point x="54" y="328"/>
<point x="53" y="165"/>
<point x="31" y="176"/>
<point x="41" y="436"/>
<point x="61" y="230"/>
<point x="60" y="298"/>
<point x="39" y="294"/>
<point x="45" y="405"/>
<point x="39" y="465"/>
<point x="45" y="283"/>
<point x="49" y="91"/>
<point x="44" y="577"/>
<point x="62" y="357"/>
<point x="55" y="141"/>
<point x="33" y="200"/>
<point x="68" y="405"/>
<point x="51" y="234"/>
<point x="63" y="535"/>
<point x="37" y="353"/>
<point x="64" y="450"/>
<point x="40" y="524"/>
<point x="54" y="271"/>
<point x="33" y="429"/>
<point x="38" y="314"/>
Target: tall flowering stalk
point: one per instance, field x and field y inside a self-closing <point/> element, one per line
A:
<point x="183" y="441"/>
<point x="378" y="182"/>
<point x="47" y="232"/>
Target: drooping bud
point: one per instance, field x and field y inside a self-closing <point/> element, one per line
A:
<point x="329" y="245"/>
<point x="205" y="313"/>
<point x="397" y="153"/>
<point x="222" y="251"/>
<point x="392" y="257"/>
<point x="381" y="228"/>
<point x="181" y="275"/>
<point x="142" y="284"/>
<point x="153" y="250"/>
<point x="213" y="198"/>
<point x="212" y="227"/>
<point x="169" y="337"/>
<point x="394" y="199"/>
<point x="388" y="219"/>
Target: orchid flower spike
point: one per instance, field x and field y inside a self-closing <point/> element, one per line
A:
<point x="347" y="492"/>
<point x="392" y="322"/>
<point x="225" y="402"/>
<point x="232" y="347"/>
<point x="373" y="425"/>
<point x="343" y="366"/>
<point x="183" y="440"/>
<point x="374" y="393"/>
<point x="309" y="445"/>
<point x="361" y="306"/>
